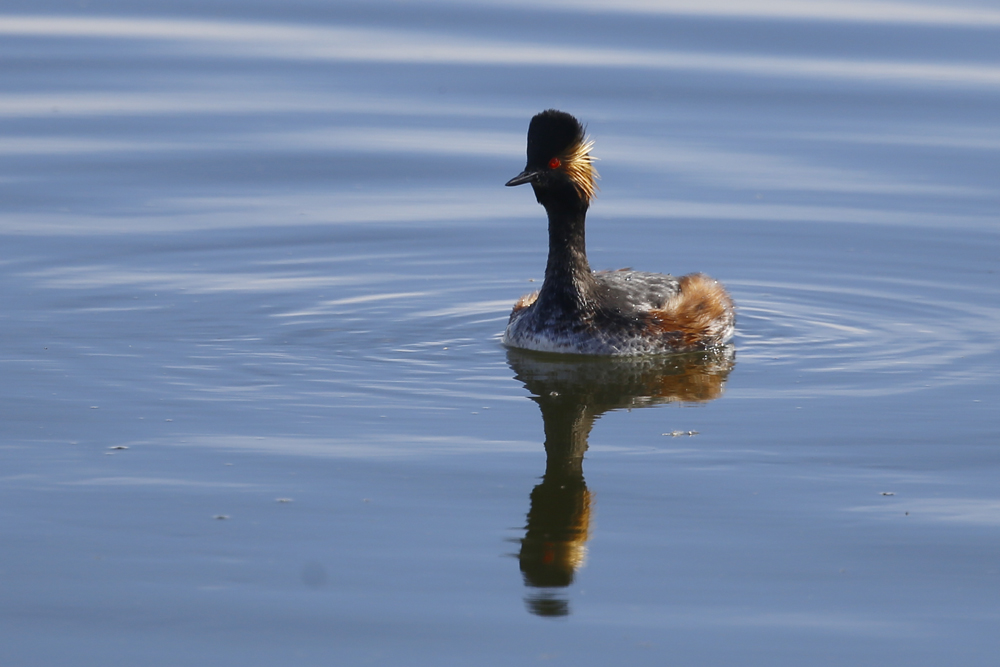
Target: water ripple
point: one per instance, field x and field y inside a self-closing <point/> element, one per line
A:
<point x="884" y="337"/>
<point x="351" y="44"/>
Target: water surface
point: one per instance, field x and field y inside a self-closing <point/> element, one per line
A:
<point x="257" y="259"/>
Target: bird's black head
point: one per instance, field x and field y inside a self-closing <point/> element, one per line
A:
<point x="558" y="152"/>
<point x="550" y="134"/>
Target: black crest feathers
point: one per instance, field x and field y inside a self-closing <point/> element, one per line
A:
<point x="550" y="134"/>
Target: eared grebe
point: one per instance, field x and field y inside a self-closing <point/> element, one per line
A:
<point x="578" y="311"/>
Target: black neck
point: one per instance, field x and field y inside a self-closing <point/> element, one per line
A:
<point x="568" y="279"/>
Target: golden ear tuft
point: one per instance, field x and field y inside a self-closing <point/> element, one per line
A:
<point x="579" y="165"/>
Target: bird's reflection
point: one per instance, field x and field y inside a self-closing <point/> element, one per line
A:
<point x="572" y="393"/>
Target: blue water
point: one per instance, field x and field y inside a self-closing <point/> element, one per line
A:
<point x="256" y="258"/>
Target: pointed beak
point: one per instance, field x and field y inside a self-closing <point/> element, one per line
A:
<point x="526" y="176"/>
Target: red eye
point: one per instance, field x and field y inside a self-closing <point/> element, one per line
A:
<point x="554" y="163"/>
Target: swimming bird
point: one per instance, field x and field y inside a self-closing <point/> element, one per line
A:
<point x="612" y="313"/>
